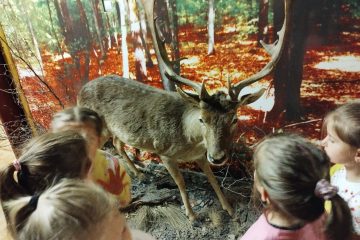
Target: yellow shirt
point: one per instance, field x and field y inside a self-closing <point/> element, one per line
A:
<point x="107" y="171"/>
<point x="333" y="169"/>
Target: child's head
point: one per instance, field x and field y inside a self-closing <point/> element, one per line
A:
<point x="342" y="127"/>
<point x="288" y="174"/>
<point x="71" y="209"/>
<point x="81" y="119"/>
<point x="45" y="160"/>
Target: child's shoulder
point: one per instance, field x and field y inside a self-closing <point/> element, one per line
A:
<point x="260" y="230"/>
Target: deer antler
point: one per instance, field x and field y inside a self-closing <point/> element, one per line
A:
<point x="160" y="50"/>
<point x="274" y="50"/>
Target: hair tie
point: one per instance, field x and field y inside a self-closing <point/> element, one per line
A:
<point x="325" y="190"/>
<point x="17" y="165"/>
<point x="34" y="201"/>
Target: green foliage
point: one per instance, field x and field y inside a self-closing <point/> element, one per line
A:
<point x="45" y="29"/>
<point x="354" y="7"/>
<point x="236" y="8"/>
<point x="240" y="13"/>
<point x="194" y="12"/>
<point x="16" y="26"/>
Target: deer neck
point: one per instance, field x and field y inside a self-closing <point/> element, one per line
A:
<point x="191" y="125"/>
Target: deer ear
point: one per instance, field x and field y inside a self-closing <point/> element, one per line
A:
<point x="192" y="98"/>
<point x="251" y="97"/>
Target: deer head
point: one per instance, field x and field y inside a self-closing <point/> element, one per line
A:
<point x="218" y="111"/>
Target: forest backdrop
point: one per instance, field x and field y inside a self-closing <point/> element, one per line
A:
<point x="59" y="45"/>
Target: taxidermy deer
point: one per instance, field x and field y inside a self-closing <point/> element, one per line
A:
<point x="178" y="126"/>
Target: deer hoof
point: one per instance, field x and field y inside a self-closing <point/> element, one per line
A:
<point x="141" y="176"/>
<point x="191" y="215"/>
<point x="230" y="210"/>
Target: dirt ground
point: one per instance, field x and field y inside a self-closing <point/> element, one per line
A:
<point x="157" y="207"/>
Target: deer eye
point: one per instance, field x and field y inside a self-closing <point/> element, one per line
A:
<point x="202" y="121"/>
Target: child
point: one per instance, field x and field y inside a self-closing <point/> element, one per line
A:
<point x="342" y="145"/>
<point x="291" y="176"/>
<point x="71" y="209"/>
<point x="106" y="169"/>
<point x="45" y="160"/>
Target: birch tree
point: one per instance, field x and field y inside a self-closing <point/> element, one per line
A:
<point x="263" y="21"/>
<point x="211" y="26"/>
<point x="121" y="12"/>
<point x="140" y="60"/>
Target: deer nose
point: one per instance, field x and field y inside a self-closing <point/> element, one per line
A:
<point x="219" y="160"/>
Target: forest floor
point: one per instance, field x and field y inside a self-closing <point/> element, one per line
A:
<point x="157" y="207"/>
<point x="331" y="76"/>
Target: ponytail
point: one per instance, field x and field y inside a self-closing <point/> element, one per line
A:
<point x="70" y="209"/>
<point x="45" y="159"/>
<point x="9" y="188"/>
<point x="12" y="211"/>
<point x="339" y="222"/>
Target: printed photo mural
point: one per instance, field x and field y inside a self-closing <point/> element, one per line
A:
<point x="59" y="45"/>
<point x="207" y="172"/>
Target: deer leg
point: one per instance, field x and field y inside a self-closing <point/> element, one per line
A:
<point x="120" y="148"/>
<point x="205" y="167"/>
<point x="179" y="180"/>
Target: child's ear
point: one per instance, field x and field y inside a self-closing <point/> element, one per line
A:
<point x="357" y="156"/>
<point x="264" y="195"/>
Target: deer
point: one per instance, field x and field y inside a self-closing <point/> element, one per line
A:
<point x="179" y="126"/>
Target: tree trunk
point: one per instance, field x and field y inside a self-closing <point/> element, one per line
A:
<point x="86" y="37"/>
<point x="113" y="22"/>
<point x="174" y="36"/>
<point x="54" y="32"/>
<point x="143" y="30"/>
<point x="140" y="61"/>
<point x="34" y="41"/>
<point x="211" y="26"/>
<point x="278" y="10"/>
<point x="111" y="39"/>
<point x="162" y="15"/>
<point x="66" y="24"/>
<point x="99" y="26"/>
<point x="263" y="21"/>
<point x="118" y="20"/>
<point x="329" y="21"/>
<point x="162" y="22"/>
<point x="288" y="71"/>
<point x="121" y="11"/>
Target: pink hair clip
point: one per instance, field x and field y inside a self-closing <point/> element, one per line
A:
<point x="325" y="190"/>
<point x="17" y="165"/>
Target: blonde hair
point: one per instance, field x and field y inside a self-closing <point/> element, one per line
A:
<point x="345" y="120"/>
<point x="71" y="209"/>
<point x="79" y="115"/>
<point x="45" y="160"/>
<point x="289" y="167"/>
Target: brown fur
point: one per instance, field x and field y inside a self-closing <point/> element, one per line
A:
<point x="166" y="123"/>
